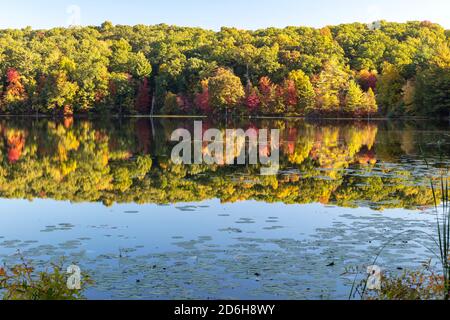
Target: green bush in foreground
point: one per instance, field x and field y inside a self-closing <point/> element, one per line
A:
<point x="23" y="282"/>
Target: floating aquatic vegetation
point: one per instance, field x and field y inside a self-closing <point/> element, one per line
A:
<point x="10" y="244"/>
<point x="187" y="208"/>
<point x="231" y="230"/>
<point x="245" y="221"/>
<point x="274" y="228"/>
<point x="59" y="227"/>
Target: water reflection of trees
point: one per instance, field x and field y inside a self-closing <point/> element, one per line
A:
<point x="129" y="161"/>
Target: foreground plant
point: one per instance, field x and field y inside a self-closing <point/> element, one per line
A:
<point x="424" y="284"/>
<point x="23" y="282"/>
<point x="443" y="226"/>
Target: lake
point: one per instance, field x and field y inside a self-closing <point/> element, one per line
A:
<point x="104" y="194"/>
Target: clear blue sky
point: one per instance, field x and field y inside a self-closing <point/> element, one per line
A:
<point x="212" y="14"/>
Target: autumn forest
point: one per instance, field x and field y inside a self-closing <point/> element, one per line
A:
<point x="356" y="70"/>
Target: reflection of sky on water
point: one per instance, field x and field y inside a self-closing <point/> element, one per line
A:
<point x="157" y="225"/>
<point x="288" y="246"/>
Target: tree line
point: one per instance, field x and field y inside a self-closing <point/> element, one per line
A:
<point x="387" y="69"/>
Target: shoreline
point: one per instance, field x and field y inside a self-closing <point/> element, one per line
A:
<point x="118" y="116"/>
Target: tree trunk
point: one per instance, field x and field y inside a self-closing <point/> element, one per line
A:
<point x="248" y="74"/>
<point x="152" y="111"/>
<point x="152" y="124"/>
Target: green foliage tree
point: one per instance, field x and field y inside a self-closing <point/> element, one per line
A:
<point x="170" y="104"/>
<point x="370" y="105"/>
<point x="59" y="93"/>
<point x="330" y="86"/>
<point x="433" y="86"/>
<point x="354" y="99"/>
<point x="225" y="89"/>
<point x="305" y="91"/>
<point x="389" y="89"/>
<point x="122" y="93"/>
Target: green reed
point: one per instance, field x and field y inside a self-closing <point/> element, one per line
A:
<point x="443" y="226"/>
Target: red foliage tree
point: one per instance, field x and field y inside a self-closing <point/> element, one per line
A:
<point x="265" y="86"/>
<point x="12" y="76"/>
<point x="15" y="90"/>
<point x="252" y="101"/>
<point x="291" y="140"/>
<point x="290" y="92"/>
<point x="143" y="97"/>
<point x="367" y="80"/>
<point x="16" y="144"/>
<point x="202" y="99"/>
<point x="267" y="90"/>
<point x="144" y="135"/>
<point x="68" y="122"/>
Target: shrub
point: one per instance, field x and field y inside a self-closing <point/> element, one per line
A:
<point x="23" y="282"/>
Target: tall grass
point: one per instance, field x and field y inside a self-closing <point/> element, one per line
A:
<point x="443" y="226"/>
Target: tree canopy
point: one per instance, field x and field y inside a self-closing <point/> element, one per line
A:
<point x="180" y="70"/>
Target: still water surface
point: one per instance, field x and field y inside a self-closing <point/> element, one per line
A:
<point x="105" y="195"/>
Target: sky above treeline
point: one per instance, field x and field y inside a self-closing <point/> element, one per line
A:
<point x="213" y="14"/>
